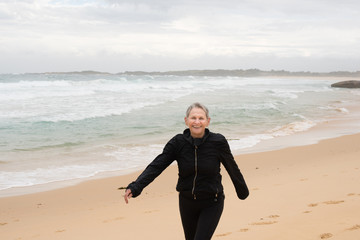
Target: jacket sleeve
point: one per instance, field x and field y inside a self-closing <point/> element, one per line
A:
<point x="232" y="168"/>
<point x="154" y="169"/>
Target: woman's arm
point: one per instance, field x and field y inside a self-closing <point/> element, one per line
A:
<point x="232" y="168"/>
<point x="154" y="169"/>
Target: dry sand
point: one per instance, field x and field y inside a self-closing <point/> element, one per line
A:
<point x="307" y="192"/>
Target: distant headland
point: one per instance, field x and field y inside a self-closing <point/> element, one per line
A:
<point x="224" y="72"/>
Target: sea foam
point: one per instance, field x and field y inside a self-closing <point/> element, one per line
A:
<point x="57" y="127"/>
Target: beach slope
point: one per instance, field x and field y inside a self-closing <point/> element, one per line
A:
<point x="306" y="192"/>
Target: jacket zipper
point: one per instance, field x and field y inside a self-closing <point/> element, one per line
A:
<point x="193" y="189"/>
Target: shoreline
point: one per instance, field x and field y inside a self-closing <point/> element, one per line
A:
<point x="85" y="161"/>
<point x="303" y="192"/>
<point x="333" y="128"/>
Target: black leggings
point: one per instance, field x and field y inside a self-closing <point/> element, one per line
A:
<point x="200" y="217"/>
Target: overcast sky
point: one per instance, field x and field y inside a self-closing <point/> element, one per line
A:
<point x="160" y="35"/>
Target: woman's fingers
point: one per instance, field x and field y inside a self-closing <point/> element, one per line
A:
<point x="127" y="195"/>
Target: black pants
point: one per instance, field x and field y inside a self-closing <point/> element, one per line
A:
<point x="200" y="217"/>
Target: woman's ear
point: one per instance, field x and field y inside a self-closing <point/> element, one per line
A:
<point x="185" y="119"/>
<point x="208" y="121"/>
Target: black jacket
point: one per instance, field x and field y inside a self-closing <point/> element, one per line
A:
<point x="198" y="164"/>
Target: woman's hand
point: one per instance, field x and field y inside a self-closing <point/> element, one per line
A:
<point x="127" y="195"/>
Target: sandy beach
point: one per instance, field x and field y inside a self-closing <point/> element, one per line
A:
<point x="91" y="92"/>
<point x="306" y="192"/>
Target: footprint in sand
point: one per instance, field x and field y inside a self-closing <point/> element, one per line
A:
<point x="263" y="223"/>
<point x="223" y="234"/>
<point x="60" y="231"/>
<point x="326" y="235"/>
<point x="326" y="202"/>
<point x="243" y="230"/>
<point x="312" y="204"/>
<point x="333" y="202"/>
<point x="3" y="224"/>
<point x="353" y="194"/>
<point x="355" y="227"/>
<point x="266" y="222"/>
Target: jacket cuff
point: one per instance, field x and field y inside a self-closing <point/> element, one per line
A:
<point x="134" y="190"/>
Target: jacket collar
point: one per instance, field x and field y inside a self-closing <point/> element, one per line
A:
<point x="189" y="138"/>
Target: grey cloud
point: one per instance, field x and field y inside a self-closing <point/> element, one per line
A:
<point x="167" y="34"/>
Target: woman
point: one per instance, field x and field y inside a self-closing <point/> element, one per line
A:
<point x="198" y="153"/>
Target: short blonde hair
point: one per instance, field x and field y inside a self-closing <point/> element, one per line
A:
<point x="197" y="105"/>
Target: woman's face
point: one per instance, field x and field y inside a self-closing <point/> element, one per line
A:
<point x="197" y="122"/>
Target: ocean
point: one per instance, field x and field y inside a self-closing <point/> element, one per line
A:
<point x="57" y="128"/>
